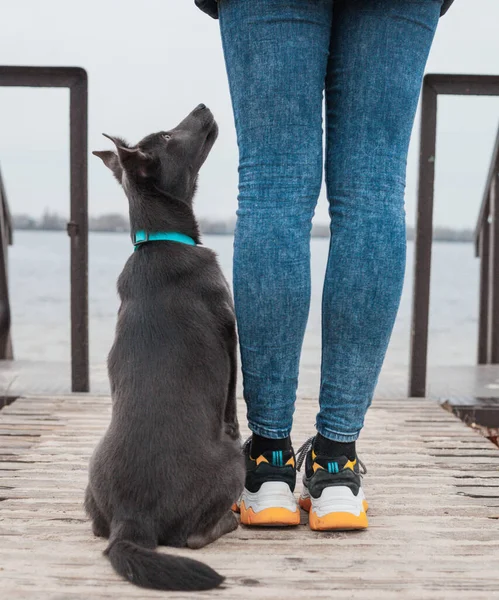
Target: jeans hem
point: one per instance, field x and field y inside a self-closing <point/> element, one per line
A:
<point x="335" y="436"/>
<point x="273" y="434"/>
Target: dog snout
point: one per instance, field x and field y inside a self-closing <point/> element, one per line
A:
<point x="204" y="115"/>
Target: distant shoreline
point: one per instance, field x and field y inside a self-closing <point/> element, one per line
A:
<point x="456" y="236"/>
<point x="117" y="223"/>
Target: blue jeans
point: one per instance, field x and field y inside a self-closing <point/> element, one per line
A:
<point x="281" y="55"/>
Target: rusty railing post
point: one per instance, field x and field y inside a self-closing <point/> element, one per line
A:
<point x="6" y="351"/>
<point x="78" y="231"/>
<point x="493" y="301"/>
<point x="487" y="248"/>
<point x="422" y="243"/>
<point x="483" y="305"/>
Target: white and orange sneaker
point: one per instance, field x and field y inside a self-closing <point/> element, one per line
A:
<point x="267" y="498"/>
<point x="332" y="491"/>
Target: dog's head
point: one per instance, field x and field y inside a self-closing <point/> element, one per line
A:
<point x="168" y="161"/>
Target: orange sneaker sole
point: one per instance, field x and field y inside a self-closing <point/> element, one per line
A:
<point x="335" y="520"/>
<point x="269" y="517"/>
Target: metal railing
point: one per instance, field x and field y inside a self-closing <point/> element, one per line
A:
<point x="6" y="352"/>
<point x="75" y="79"/>
<point x="487" y="249"/>
<point x="487" y="233"/>
<point x="433" y="86"/>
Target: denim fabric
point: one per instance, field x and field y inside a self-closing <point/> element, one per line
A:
<point x="211" y="7"/>
<point x="368" y="56"/>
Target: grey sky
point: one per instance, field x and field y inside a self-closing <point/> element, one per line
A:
<point x="150" y="62"/>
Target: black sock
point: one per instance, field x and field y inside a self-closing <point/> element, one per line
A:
<point x="331" y="449"/>
<point x="260" y="444"/>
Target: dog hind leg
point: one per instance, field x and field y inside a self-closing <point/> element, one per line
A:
<point x="216" y="518"/>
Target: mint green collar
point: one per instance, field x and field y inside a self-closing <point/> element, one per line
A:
<point x="141" y="237"/>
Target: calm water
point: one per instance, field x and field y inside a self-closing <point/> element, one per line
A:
<point x="39" y="281"/>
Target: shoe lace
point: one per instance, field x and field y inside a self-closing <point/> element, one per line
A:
<point x="304" y="449"/>
<point x="302" y="452"/>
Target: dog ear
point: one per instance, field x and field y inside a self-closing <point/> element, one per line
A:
<point x="133" y="160"/>
<point x="111" y="160"/>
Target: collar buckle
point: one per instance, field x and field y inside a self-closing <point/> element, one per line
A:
<point x="140" y="237"/>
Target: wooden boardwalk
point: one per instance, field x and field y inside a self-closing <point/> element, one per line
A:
<point x="432" y="485"/>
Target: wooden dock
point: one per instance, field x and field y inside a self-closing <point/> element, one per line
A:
<point x="432" y="485"/>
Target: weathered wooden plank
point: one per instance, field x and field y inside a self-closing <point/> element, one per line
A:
<point x="433" y="487"/>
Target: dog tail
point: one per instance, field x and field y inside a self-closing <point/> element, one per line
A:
<point x="143" y="566"/>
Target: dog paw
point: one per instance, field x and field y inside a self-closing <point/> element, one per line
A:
<point x="195" y="542"/>
<point x="226" y="524"/>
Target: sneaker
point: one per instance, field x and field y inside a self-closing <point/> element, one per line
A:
<point x="267" y="498"/>
<point x="332" y="491"/>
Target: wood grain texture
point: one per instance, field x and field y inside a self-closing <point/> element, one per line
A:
<point x="432" y="485"/>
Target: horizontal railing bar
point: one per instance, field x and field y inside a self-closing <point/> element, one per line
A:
<point x="12" y="76"/>
<point x="472" y="85"/>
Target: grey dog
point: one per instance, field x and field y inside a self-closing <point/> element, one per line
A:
<point x="169" y="466"/>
